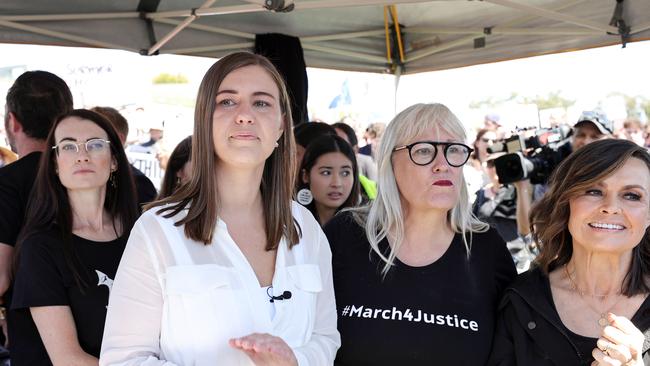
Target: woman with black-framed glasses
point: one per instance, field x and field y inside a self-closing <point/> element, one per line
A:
<point x="427" y="293"/>
<point x="78" y="219"/>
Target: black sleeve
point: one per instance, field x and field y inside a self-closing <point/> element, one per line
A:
<point x="146" y="190"/>
<point x="332" y="230"/>
<point x="503" y="348"/>
<point x="39" y="281"/>
<point x="343" y="232"/>
<point x="504" y="267"/>
<point x="12" y="209"/>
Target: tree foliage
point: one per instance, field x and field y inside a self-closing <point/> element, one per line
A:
<point x="551" y="100"/>
<point x="166" y="78"/>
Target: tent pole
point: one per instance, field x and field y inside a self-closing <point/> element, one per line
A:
<point x="225" y="47"/>
<point x="640" y="28"/>
<point x="438" y="48"/>
<point x="304" y="5"/>
<point x="508" y="31"/>
<point x="336" y="51"/>
<point x="208" y="28"/>
<point x="58" y="17"/>
<point x="553" y="15"/>
<point x="333" y="37"/>
<point x="61" y="35"/>
<point x="178" y="28"/>
<point x="398" y="75"/>
<point x="416" y="55"/>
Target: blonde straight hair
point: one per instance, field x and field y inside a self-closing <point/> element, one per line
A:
<point x="200" y="193"/>
<point x="384" y="215"/>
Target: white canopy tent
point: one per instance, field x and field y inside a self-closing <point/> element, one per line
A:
<point x="401" y="37"/>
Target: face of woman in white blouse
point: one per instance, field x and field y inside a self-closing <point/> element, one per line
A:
<point x="613" y="215"/>
<point x="432" y="186"/>
<point x="247" y="120"/>
<point x="78" y="168"/>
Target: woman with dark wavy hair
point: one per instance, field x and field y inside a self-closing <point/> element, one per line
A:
<point x="81" y="211"/>
<point x="586" y="300"/>
<point x="228" y="270"/>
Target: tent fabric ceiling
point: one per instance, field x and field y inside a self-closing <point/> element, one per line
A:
<point x="336" y="34"/>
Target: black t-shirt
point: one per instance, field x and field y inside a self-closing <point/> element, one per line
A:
<point x="44" y="279"/>
<point x="16" y="180"/>
<point x="439" y="314"/>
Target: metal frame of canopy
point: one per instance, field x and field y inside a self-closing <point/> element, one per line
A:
<point x="393" y="61"/>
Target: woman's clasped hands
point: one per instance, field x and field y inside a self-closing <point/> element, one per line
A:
<point x="620" y="344"/>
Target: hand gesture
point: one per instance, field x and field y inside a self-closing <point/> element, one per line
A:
<point x="265" y="349"/>
<point x="620" y="344"/>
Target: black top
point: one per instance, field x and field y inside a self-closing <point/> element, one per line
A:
<point x="530" y="332"/>
<point x="145" y="189"/>
<point x="16" y="180"/>
<point x="439" y="314"/>
<point x="584" y="344"/>
<point x="44" y="279"/>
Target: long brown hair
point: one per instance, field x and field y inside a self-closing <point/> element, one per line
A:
<point x="549" y="218"/>
<point x="200" y="193"/>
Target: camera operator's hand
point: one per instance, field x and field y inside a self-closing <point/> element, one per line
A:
<point x="524" y="202"/>
<point x="524" y="186"/>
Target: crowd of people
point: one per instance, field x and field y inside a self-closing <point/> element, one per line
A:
<point x="276" y="244"/>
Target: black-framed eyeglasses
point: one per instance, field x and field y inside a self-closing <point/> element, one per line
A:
<point x="424" y="152"/>
<point x="92" y="146"/>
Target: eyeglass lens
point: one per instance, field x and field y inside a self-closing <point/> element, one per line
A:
<point x="91" y="146"/>
<point x="423" y="153"/>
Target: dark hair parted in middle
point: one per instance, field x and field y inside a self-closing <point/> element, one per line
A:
<point x="583" y="169"/>
<point x="181" y="155"/>
<point x="324" y="145"/>
<point x="49" y="206"/>
<point x="199" y="195"/>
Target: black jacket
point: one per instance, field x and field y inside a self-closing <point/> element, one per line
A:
<point x="529" y="330"/>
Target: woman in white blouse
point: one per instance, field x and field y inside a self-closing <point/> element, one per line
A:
<point x="228" y="270"/>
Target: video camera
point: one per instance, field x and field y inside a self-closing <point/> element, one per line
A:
<point x="532" y="157"/>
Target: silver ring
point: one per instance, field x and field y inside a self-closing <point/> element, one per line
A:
<point x="606" y="350"/>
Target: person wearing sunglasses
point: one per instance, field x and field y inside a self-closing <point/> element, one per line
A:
<point x="78" y="219"/>
<point x="417" y="277"/>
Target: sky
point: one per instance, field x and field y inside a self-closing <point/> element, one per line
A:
<point x="120" y="78"/>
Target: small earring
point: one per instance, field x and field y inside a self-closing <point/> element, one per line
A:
<point x="276" y="144"/>
<point x="304" y="196"/>
<point x="113" y="181"/>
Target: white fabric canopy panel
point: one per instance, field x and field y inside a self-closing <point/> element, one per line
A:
<point x="357" y="35"/>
